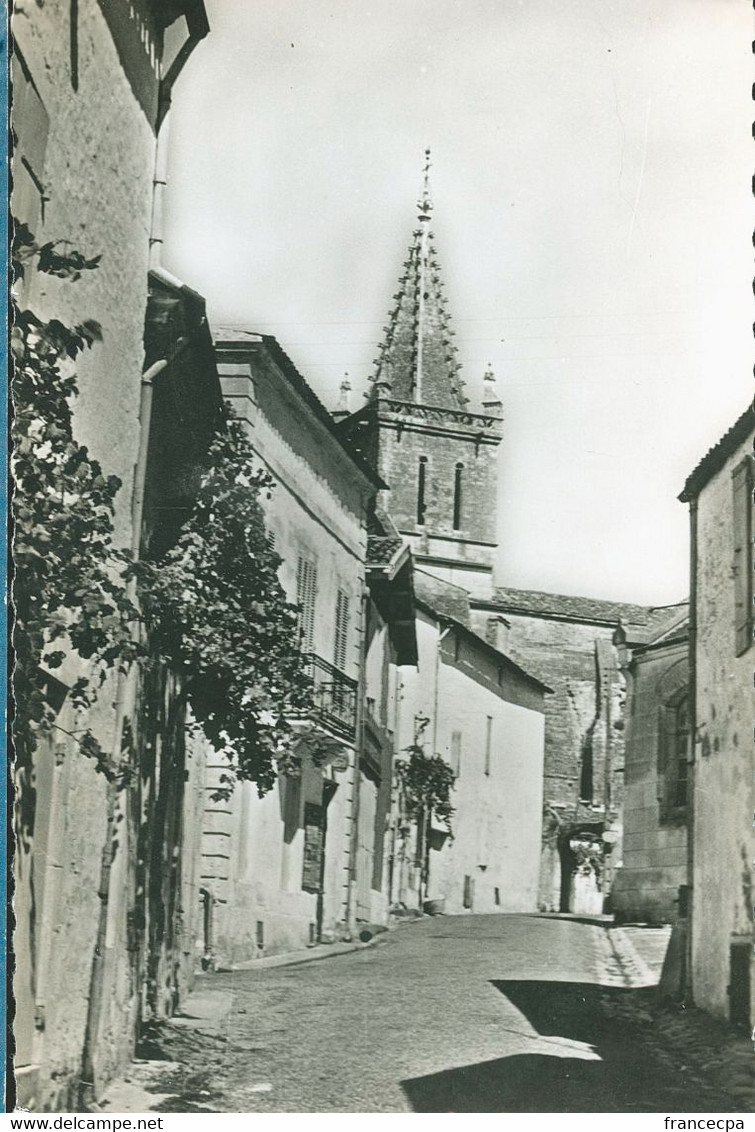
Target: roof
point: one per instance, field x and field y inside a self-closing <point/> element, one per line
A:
<point x="417" y="360"/>
<point x="386" y="548"/>
<point x="484" y="646"/>
<point x="574" y="608"/>
<point x="445" y="597"/>
<point x="244" y="336"/>
<point x="450" y="605"/>
<point x="716" y="457"/>
<point x="674" y="630"/>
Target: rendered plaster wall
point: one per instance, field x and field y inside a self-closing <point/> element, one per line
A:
<point x="655" y="839"/>
<point x="577" y="661"/>
<point x="724" y="794"/>
<point x="253" y="865"/>
<point x="97" y="174"/>
<point x="252" y="847"/>
<point x="498" y="820"/>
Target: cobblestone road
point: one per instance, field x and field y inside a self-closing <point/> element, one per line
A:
<point x="464" y="1014"/>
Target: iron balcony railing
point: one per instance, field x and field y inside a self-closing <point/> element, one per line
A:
<point x="334" y="695"/>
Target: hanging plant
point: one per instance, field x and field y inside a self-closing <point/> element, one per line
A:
<point x="425" y="782"/>
<point x="216" y="611"/>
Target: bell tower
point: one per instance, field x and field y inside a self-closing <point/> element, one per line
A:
<point x="436" y="452"/>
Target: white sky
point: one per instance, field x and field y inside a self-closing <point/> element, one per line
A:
<point x="591" y="179"/>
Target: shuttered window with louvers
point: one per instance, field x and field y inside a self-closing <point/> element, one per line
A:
<point x="343" y="615"/>
<point x="306" y="595"/>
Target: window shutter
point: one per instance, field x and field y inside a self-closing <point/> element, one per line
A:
<point x="30" y="124"/>
<point x="342" y="630"/>
<point x="742" y="565"/>
<point x="306" y="593"/>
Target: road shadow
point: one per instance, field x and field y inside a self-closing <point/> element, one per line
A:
<point x="629" y="1076"/>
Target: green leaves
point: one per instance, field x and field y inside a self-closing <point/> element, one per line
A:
<point x="217" y="613"/>
<point x="68" y="584"/>
<point x="426" y="782"/>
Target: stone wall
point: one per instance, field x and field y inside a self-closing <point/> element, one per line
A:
<point x="655" y="831"/>
<point x="96" y="169"/>
<point x="724" y="788"/>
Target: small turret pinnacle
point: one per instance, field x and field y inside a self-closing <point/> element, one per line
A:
<point x="491" y="398"/>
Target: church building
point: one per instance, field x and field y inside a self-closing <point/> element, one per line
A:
<point x="469" y="701"/>
<point x="438" y="453"/>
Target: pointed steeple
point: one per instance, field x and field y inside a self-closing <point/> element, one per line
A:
<point x="417" y="356"/>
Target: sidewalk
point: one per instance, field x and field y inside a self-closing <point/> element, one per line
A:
<point x="710" y="1048"/>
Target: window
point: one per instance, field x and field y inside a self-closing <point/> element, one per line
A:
<point x="468" y="896"/>
<point x="742" y="564"/>
<point x="456" y="752"/>
<point x="30" y="125"/>
<point x="488" y="737"/>
<point x="680" y="765"/>
<point x="421" y="490"/>
<point x="306" y="594"/>
<point x="342" y="630"/>
<point x="673" y="766"/>
<point x="457" y="496"/>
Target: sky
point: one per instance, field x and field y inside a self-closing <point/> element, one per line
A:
<point x="591" y="167"/>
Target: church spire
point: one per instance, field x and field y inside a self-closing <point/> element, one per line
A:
<point x="417" y="357"/>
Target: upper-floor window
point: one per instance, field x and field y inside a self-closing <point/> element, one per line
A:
<point x="458" y="473"/>
<point x="343" y="616"/>
<point x="742" y="566"/>
<point x="421" y="490"/>
<point x="306" y="595"/>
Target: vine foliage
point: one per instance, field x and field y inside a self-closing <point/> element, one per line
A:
<point x="218" y="615"/>
<point x="68" y="589"/>
<point x="212" y="608"/>
<point x="425" y="781"/>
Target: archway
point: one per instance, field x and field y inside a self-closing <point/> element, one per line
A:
<point x="581" y="853"/>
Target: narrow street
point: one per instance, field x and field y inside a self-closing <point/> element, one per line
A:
<point x="466" y="1014"/>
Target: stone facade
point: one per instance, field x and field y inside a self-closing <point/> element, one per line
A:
<point x="259" y="853"/>
<point x="654" y="866"/>
<point x="84" y="127"/>
<point x="721" y="658"/>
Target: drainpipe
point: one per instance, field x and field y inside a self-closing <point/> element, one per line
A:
<point x="159" y="183"/>
<point x="358" y="748"/>
<point x="113" y="863"/>
<point x="436" y="695"/>
<point x="692" y="702"/>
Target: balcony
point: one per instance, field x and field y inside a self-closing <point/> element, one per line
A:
<point x="335" y="697"/>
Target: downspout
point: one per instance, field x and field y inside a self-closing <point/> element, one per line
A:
<point x="687" y="988"/>
<point x="358" y="748"/>
<point x="113" y="863"/>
